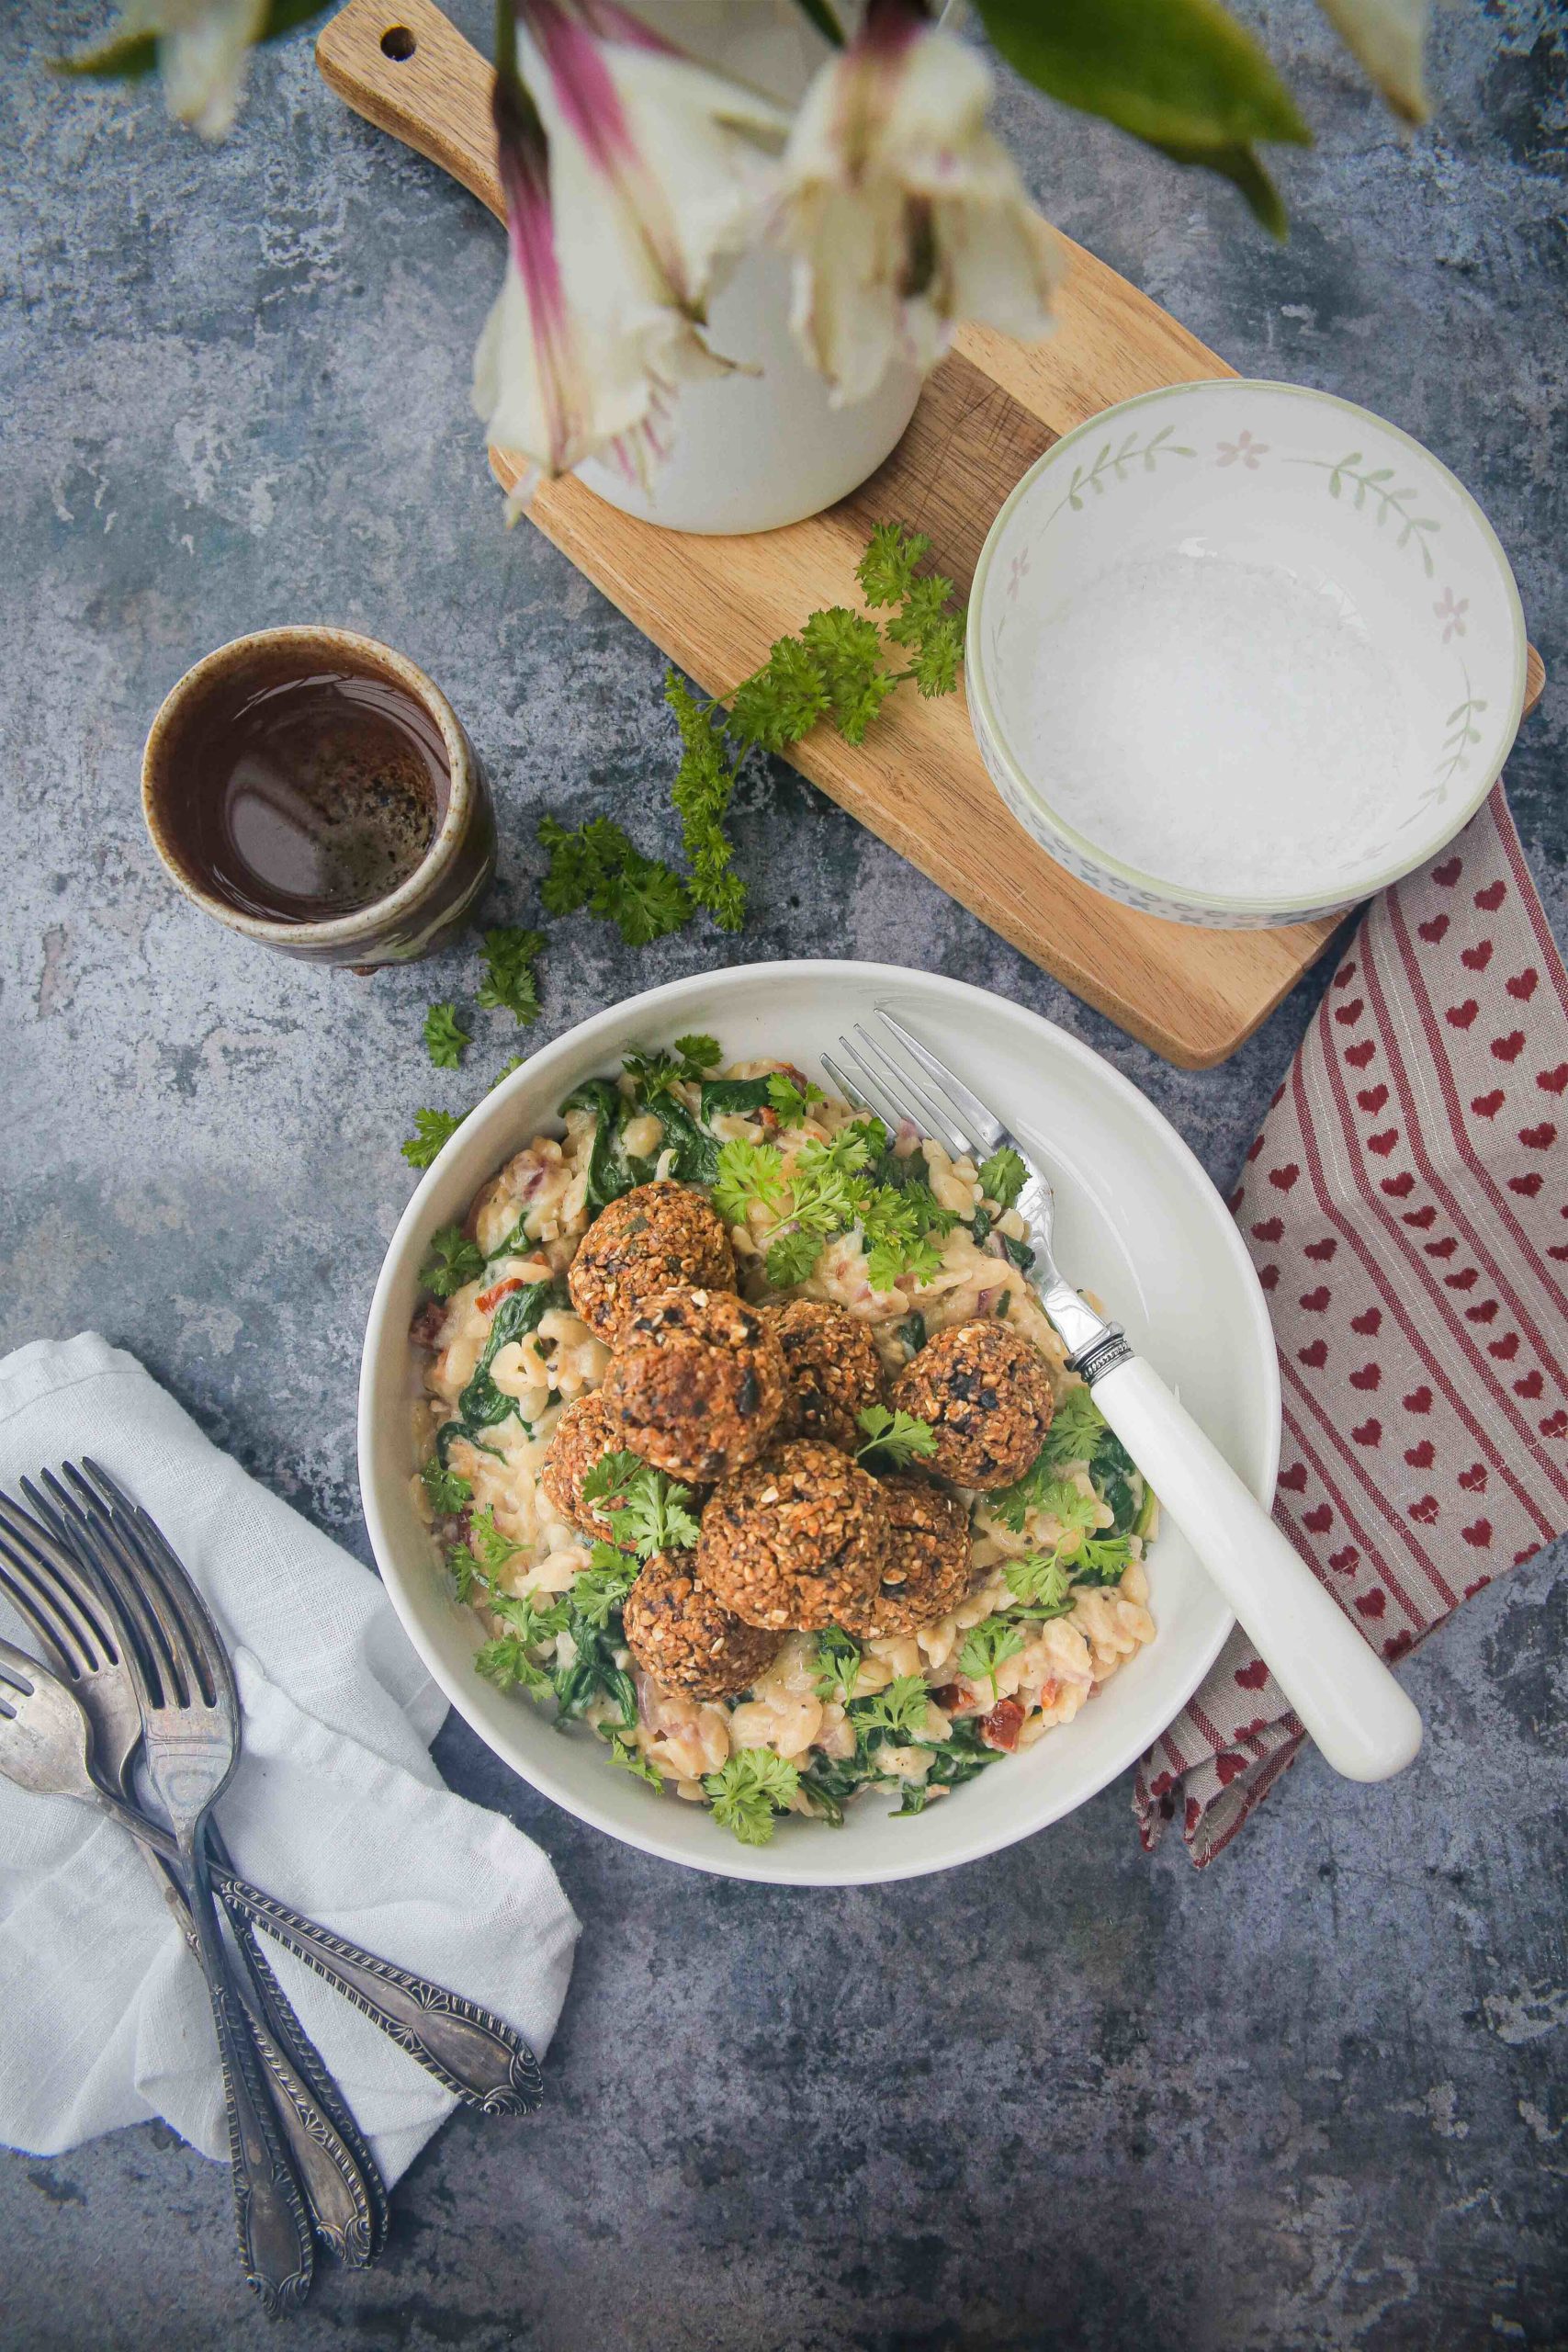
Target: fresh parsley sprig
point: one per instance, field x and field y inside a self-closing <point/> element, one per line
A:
<point x="444" y="1038"/>
<point x="750" y="1791"/>
<point x="432" y="1130"/>
<point x="838" y="1663"/>
<point x="894" y="1439"/>
<point x="510" y="984"/>
<point x="453" y="1261"/>
<point x="987" y="1646"/>
<point x="600" y="867"/>
<point x="647" y="1510"/>
<point x="447" y="1490"/>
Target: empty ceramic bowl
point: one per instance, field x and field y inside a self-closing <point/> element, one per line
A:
<point x="1241" y="654"/>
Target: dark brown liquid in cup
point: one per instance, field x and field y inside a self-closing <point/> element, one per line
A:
<point x="296" y="800"/>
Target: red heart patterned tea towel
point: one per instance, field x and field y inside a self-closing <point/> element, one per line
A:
<point x="1407" y="1206"/>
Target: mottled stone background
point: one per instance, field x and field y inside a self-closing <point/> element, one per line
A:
<point x="1068" y="2096"/>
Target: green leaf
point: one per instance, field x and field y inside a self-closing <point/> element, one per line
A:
<point x="782" y="701"/>
<point x="453" y="1261"/>
<point x="630" y="1758"/>
<point x="510" y="984"/>
<point x="894" y="1715"/>
<point x="819" y="14"/>
<point x="748" y="1790"/>
<point x="734" y="1097"/>
<point x="432" y="1129"/>
<point x="124" y="57"/>
<point x="1181" y="74"/>
<point x="1003" y="1176"/>
<point x="887" y="570"/>
<point x="600" y="867"/>
<point x="446" y="1491"/>
<point x="647" y="1510"/>
<point x="1100" y="1559"/>
<point x="992" y="1641"/>
<point x="838" y="1663"/>
<point x="896" y="1439"/>
<point x="792" y="1102"/>
<point x="1040" y="1583"/>
<point x="791" y="1256"/>
<point x="747" y="1172"/>
<point x="481" y="1403"/>
<point x="704" y="783"/>
<point x="699" y="1052"/>
<point x="443" y="1038"/>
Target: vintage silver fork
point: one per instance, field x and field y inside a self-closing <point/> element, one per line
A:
<point x="47" y="1732"/>
<point x="475" y="2054"/>
<point x="1342" y="1692"/>
<point x="86" y="1621"/>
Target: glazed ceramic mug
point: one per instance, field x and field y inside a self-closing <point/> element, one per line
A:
<point x="315" y="791"/>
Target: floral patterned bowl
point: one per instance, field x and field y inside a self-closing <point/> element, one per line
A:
<point x="1241" y="654"/>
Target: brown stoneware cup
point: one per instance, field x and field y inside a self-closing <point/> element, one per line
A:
<point x="374" y="777"/>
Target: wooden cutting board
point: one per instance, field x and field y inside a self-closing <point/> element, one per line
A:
<point x="715" y="605"/>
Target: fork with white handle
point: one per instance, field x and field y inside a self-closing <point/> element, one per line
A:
<point x="1341" y="1690"/>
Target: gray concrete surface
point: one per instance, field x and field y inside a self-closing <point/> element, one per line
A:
<point x="1068" y="2096"/>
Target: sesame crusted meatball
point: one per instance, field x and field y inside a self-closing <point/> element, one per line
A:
<point x="653" y="1239"/>
<point x="795" y="1538"/>
<point x="686" y="1640"/>
<point x="585" y="1434"/>
<point x="986" y="1393"/>
<point x="697" y="1384"/>
<point x="927" y="1570"/>
<point x="834" y="1371"/>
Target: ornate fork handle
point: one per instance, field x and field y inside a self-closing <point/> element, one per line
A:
<point x="475" y="2054"/>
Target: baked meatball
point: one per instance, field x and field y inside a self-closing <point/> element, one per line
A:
<point x="927" y="1570"/>
<point x="697" y="1384"/>
<point x="796" y="1539"/>
<point x="834" y="1371"/>
<point x="986" y="1393"/>
<point x="585" y="1434"/>
<point x="686" y="1640"/>
<point x="657" y="1237"/>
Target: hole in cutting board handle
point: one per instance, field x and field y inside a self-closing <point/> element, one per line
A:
<point x="398" y="44"/>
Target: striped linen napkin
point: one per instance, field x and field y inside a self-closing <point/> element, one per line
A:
<point x="1407" y="1206"/>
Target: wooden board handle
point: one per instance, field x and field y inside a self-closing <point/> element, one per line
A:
<point x="407" y="68"/>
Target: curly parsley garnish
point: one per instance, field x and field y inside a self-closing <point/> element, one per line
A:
<point x="792" y="1102"/>
<point x="446" y="1491"/>
<point x="432" y="1129"/>
<point x="510" y="984"/>
<point x="896" y="1713"/>
<point x="698" y="1053"/>
<point x="985" y="1647"/>
<point x="827" y="1190"/>
<point x="838" y="1663"/>
<point x="750" y="1791"/>
<point x="1041" y="1584"/>
<point x="600" y="867"/>
<point x="894" y="1439"/>
<point x="1003" y="1177"/>
<point x="444" y="1038"/>
<point x="647" y="1510"/>
<point x="1101" y="1559"/>
<point x="453" y="1261"/>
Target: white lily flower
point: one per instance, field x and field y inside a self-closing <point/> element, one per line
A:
<point x="204" y="46"/>
<point x="631" y="177"/>
<point x="1387" y="38"/>
<point x="903" y="211"/>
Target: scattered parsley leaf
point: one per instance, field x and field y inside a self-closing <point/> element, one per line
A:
<point x="490" y="1547"/>
<point x="506" y="1071"/>
<point x="443" y="1038"/>
<point x="505" y="1662"/>
<point x="985" y="1647"/>
<point x="446" y="1491"/>
<point x="792" y="1102"/>
<point x="750" y="1790"/>
<point x="600" y="1589"/>
<point x="600" y="867"/>
<point x="783" y="700"/>
<point x="1003" y="1177"/>
<point x="1101" y="1559"/>
<point x="897" y="1437"/>
<point x="838" y="1663"/>
<point x="432" y="1130"/>
<point x="895" y="1714"/>
<point x="630" y="1758"/>
<point x="699" y="1053"/>
<point x="1077" y="1428"/>
<point x="453" y="1261"/>
<point x="510" y="984"/>
<point x="646" y="1510"/>
<point x="747" y="1172"/>
<point x="1041" y="1583"/>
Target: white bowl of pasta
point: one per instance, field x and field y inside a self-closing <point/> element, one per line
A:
<point x="1083" y="1627"/>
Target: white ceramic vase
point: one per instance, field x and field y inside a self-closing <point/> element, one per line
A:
<point x="754" y="450"/>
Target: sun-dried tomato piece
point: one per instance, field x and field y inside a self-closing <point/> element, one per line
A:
<point x="1001" y="1727"/>
<point x="424" y="1331"/>
<point x="490" y="1298"/>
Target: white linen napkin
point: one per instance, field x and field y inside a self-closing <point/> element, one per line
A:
<point x="335" y="1808"/>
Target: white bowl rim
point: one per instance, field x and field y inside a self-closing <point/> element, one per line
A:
<point x="1303" y="903"/>
<point x="656" y="1003"/>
